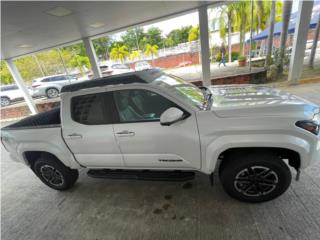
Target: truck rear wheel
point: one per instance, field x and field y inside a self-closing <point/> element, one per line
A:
<point x="54" y="174"/>
<point x="255" y="177"/>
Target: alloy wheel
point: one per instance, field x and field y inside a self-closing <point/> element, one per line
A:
<point x="52" y="175"/>
<point x="52" y="93"/>
<point x="256" y="181"/>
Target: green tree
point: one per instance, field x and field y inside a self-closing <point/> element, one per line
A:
<point x="270" y="35"/>
<point x="133" y="38"/>
<point x="284" y="32"/>
<point x="102" y="46"/>
<point x="177" y="36"/>
<point x="151" y="50"/>
<point x="194" y="34"/>
<point x="5" y="75"/>
<point x="119" y="53"/>
<point x="80" y="62"/>
<point x="153" y="37"/>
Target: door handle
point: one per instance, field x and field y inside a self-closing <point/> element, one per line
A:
<point x="125" y="133"/>
<point x="74" y="136"/>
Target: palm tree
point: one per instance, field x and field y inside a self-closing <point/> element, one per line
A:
<point x="119" y="52"/>
<point x="270" y="35"/>
<point x="151" y="50"/>
<point x="314" y="45"/>
<point x="242" y="8"/>
<point x="229" y="12"/>
<point x="134" y="55"/>
<point x="286" y="12"/>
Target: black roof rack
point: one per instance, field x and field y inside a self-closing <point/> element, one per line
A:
<point x="144" y="76"/>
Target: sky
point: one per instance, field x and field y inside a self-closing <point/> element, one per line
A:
<point x="168" y="25"/>
<point x="185" y="20"/>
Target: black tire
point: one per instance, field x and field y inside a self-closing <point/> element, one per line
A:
<point x="64" y="177"/>
<point x="52" y="92"/>
<point x="5" y="101"/>
<point x="255" y="177"/>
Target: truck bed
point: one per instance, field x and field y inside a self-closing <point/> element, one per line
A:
<point x="50" y="118"/>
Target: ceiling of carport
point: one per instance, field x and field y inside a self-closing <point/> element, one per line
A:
<point x="26" y="27"/>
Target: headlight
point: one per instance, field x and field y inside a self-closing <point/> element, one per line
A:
<point x="309" y="125"/>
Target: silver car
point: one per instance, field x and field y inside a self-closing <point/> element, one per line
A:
<point x="50" y="86"/>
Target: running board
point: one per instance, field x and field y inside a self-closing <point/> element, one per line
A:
<point x="174" y="176"/>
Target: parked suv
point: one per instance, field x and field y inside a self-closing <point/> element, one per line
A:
<point x="50" y="86"/>
<point x="10" y="94"/>
<point x="112" y="69"/>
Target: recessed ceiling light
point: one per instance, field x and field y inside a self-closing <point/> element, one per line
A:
<point x="59" y="12"/>
<point x="24" y="45"/>
<point x="97" y="24"/>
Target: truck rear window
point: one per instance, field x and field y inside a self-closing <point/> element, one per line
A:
<point x="91" y="109"/>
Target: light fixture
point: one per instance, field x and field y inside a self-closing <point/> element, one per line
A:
<point x="24" y="46"/>
<point x="59" y="12"/>
<point x="97" y="24"/>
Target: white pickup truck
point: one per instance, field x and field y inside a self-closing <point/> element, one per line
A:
<point x="149" y="125"/>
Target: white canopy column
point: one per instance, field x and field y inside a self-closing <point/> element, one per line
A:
<point x="92" y="57"/>
<point x="299" y="40"/>
<point x="18" y="79"/>
<point x="204" y="45"/>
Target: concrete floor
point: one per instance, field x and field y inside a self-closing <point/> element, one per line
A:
<point x="97" y="209"/>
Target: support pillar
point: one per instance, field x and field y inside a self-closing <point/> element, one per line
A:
<point x="300" y="39"/>
<point x="92" y="57"/>
<point x="18" y="79"/>
<point x="204" y="45"/>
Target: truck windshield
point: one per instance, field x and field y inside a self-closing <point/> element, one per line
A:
<point x="182" y="89"/>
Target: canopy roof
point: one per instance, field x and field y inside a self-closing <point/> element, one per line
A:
<point x="29" y="27"/>
<point x="278" y="26"/>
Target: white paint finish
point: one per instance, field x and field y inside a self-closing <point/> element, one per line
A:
<point x="299" y="40"/>
<point x="19" y="81"/>
<point x="204" y="45"/>
<point x="171" y="115"/>
<point x="96" y="145"/>
<point x="28" y="23"/>
<point x="17" y="142"/>
<point x="91" y="53"/>
<point x="211" y="131"/>
<point x="152" y="144"/>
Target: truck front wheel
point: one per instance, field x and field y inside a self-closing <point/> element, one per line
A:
<point x="256" y="177"/>
<point x="54" y="174"/>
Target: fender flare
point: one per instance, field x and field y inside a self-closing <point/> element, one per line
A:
<point x="223" y="143"/>
<point x="63" y="155"/>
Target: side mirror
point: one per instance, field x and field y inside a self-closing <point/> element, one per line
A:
<point x="170" y="116"/>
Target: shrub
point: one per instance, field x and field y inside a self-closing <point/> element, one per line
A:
<point x="242" y="58"/>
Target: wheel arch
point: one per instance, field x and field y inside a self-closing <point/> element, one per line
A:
<point x="293" y="157"/>
<point x="30" y="157"/>
<point x="52" y="87"/>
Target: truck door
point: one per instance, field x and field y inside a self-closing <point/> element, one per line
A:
<point x="144" y="142"/>
<point x="88" y="130"/>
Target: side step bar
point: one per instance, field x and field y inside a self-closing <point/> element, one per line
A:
<point x="142" y="174"/>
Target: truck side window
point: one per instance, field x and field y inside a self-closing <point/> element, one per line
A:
<point x="91" y="109"/>
<point x="138" y="105"/>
